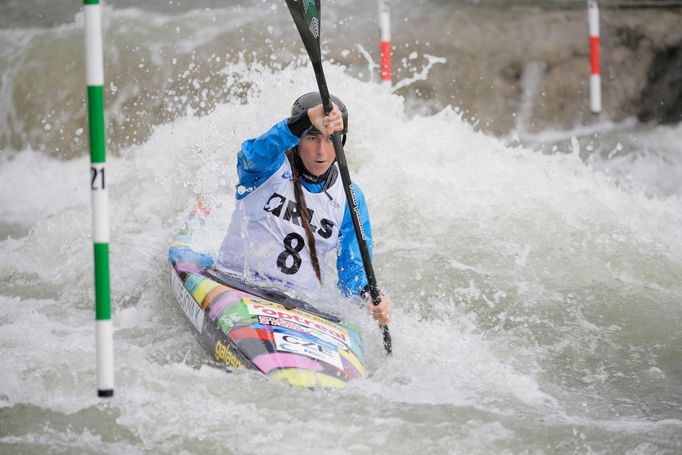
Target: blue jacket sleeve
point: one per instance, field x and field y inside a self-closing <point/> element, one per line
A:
<point x="260" y="157"/>
<point x="352" y="278"/>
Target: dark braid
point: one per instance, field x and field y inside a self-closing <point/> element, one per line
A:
<point x="305" y="217"/>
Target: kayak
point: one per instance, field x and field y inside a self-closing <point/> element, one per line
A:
<point x="243" y="325"/>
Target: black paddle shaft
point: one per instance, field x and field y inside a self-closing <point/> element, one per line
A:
<point x="306" y="15"/>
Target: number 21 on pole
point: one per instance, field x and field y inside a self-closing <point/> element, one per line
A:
<point x="97" y="177"/>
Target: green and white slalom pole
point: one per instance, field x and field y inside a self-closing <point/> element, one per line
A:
<point x="100" y="196"/>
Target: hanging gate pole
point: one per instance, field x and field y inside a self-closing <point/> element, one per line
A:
<point x="595" y="76"/>
<point x="385" y="44"/>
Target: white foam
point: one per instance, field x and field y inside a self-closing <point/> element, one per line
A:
<point x="34" y="186"/>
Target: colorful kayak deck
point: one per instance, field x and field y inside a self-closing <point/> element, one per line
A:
<point x="245" y="326"/>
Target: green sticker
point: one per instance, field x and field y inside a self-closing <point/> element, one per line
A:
<point x="235" y="314"/>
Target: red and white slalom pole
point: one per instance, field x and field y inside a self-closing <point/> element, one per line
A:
<point x="595" y="76"/>
<point x="385" y="46"/>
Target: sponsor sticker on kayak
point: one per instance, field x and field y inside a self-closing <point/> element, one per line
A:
<point x="233" y="315"/>
<point x="191" y="308"/>
<point x="297" y="345"/>
<point x="223" y="353"/>
<point x="326" y="329"/>
<point x="276" y="322"/>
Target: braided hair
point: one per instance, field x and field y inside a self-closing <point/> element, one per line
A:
<point x="303" y="211"/>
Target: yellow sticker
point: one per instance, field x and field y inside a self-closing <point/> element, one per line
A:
<point x="223" y="352"/>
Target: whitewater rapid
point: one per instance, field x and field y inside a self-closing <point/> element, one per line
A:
<point x="537" y="293"/>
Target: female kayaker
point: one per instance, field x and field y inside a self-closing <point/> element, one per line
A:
<point x="291" y="209"/>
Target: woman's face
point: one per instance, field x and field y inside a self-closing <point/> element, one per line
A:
<point x="317" y="153"/>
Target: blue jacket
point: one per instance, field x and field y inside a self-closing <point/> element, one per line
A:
<point x="260" y="157"/>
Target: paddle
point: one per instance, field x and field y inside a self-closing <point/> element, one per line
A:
<point x="306" y="14"/>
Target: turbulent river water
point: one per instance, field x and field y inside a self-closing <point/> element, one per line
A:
<point x="537" y="277"/>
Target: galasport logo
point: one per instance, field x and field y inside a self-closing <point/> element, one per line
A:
<point x="260" y="310"/>
<point x="277" y="202"/>
<point x="222" y="352"/>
